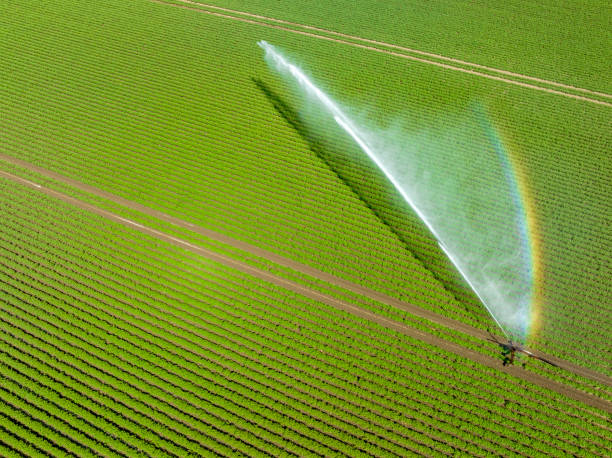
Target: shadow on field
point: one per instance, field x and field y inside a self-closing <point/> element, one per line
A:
<point x="371" y="186"/>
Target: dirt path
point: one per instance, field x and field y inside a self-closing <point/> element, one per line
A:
<point x="401" y="48"/>
<point x="299" y="267"/>
<point x="423" y="60"/>
<point x="315" y="295"/>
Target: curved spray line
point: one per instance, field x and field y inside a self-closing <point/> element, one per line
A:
<point x="349" y="127"/>
<point x="353" y="132"/>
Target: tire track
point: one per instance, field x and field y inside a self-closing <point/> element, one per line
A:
<point x="398" y="47"/>
<point x="315" y="295"/>
<point x="291" y="264"/>
<point x="423" y="60"/>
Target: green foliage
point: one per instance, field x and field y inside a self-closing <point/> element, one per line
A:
<point x="565" y="42"/>
<point x="187" y="356"/>
<point x="119" y="344"/>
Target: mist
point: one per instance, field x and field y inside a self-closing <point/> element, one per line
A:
<point x="457" y="179"/>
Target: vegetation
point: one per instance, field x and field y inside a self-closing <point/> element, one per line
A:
<point x="178" y="348"/>
<point x="118" y="343"/>
<point x="159" y="124"/>
<point x="565" y="42"/>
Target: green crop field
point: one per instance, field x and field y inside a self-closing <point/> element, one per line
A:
<point x="187" y="269"/>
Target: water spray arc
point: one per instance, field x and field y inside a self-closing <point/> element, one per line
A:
<point x="354" y="133"/>
<point x="514" y="321"/>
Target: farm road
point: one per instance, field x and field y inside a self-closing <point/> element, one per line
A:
<point x="303" y="268"/>
<point x="445" y="62"/>
<point x="488" y="361"/>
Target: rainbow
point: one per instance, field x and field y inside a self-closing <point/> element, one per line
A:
<point x="462" y="183"/>
<point x="522" y="196"/>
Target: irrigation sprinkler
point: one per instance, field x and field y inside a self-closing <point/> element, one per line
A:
<point x="494" y="260"/>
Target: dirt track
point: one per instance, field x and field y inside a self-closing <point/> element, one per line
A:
<point x="401" y="48"/>
<point x="299" y="267"/>
<point x="423" y="60"/>
<point x="300" y="289"/>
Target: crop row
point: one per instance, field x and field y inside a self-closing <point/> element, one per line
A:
<point x="217" y="336"/>
<point x="213" y="208"/>
<point x="214" y="337"/>
<point x="362" y="302"/>
<point x="387" y="24"/>
<point x="238" y="422"/>
<point x="234" y="147"/>
<point x="136" y="260"/>
<point x="237" y="199"/>
<point x="137" y="265"/>
<point x="426" y="295"/>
